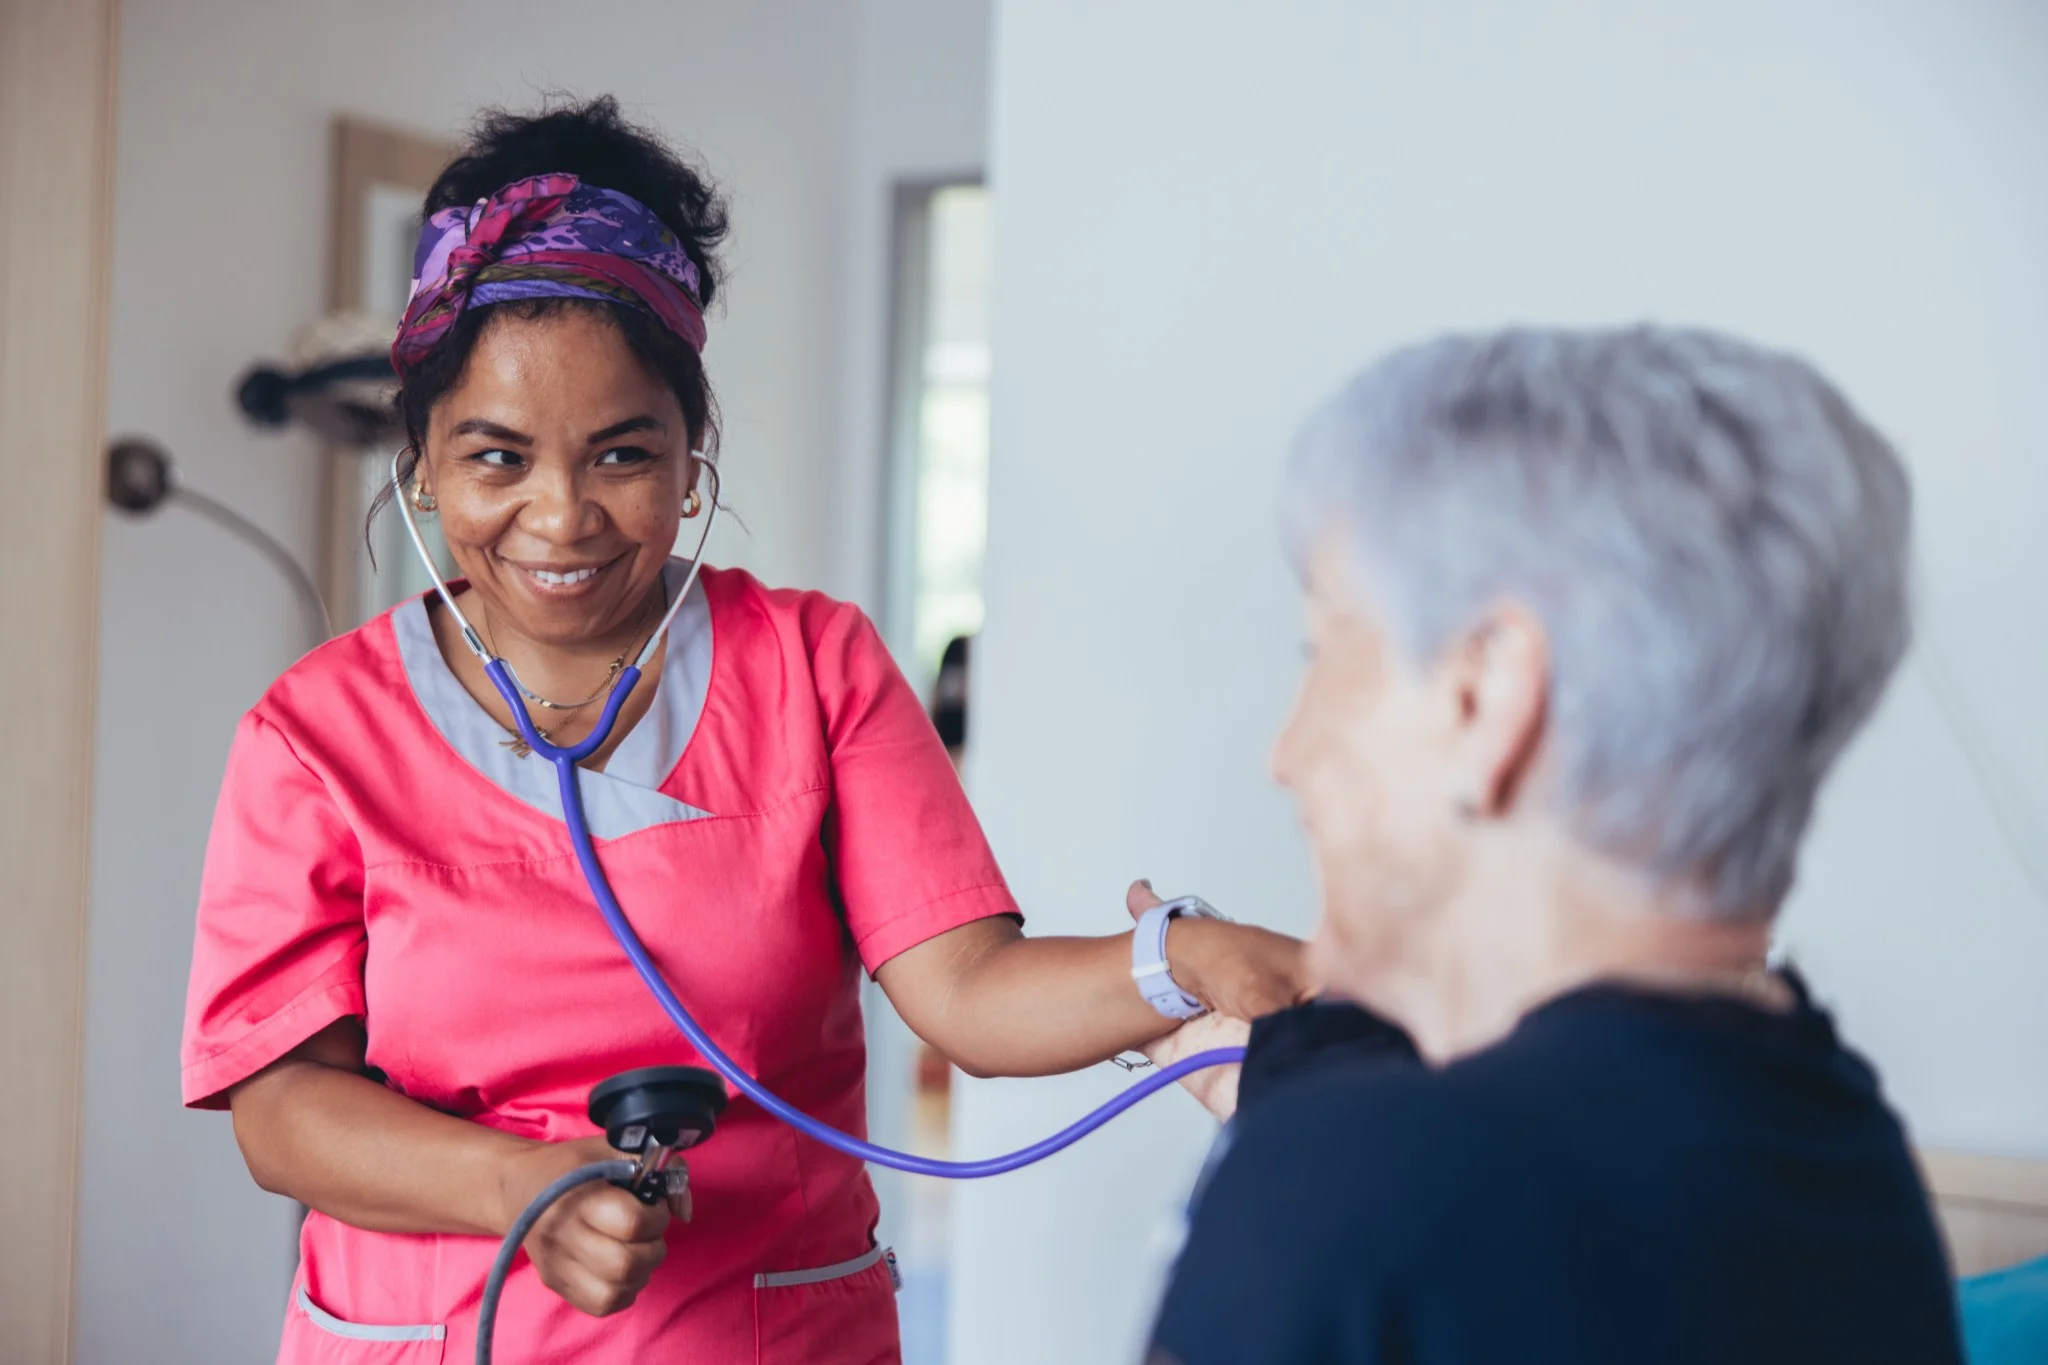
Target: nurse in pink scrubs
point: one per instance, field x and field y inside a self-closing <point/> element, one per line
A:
<point x="400" y="984"/>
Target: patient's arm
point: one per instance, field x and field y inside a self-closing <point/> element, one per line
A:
<point x="1278" y="1046"/>
<point x="1319" y="1034"/>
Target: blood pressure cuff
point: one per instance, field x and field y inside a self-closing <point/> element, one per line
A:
<point x="1293" y="1042"/>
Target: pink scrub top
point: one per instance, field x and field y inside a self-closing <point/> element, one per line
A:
<point x="783" y="817"/>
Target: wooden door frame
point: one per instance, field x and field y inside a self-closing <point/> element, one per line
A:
<point x="365" y="155"/>
<point x="57" y="86"/>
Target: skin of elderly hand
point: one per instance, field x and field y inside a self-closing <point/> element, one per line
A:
<point x="1274" y="978"/>
<point x="1215" y="1087"/>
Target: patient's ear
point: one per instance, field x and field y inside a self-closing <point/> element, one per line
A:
<point x="1498" y="679"/>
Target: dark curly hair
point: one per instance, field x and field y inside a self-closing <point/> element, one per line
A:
<point x="593" y="141"/>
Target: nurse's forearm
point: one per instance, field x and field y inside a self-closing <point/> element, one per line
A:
<point x="999" y="1004"/>
<point x="314" y="1128"/>
<point x="1039" y="1006"/>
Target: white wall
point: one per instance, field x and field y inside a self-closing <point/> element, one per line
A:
<point x="803" y="107"/>
<point x="1209" y="213"/>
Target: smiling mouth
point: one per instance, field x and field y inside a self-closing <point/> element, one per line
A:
<point x="563" y="579"/>
<point x="559" y="579"/>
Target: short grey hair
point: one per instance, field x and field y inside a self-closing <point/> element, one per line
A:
<point x="1714" y="540"/>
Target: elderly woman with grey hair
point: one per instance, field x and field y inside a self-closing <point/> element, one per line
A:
<point x="1591" y="615"/>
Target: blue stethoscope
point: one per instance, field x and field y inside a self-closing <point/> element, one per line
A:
<point x="566" y="758"/>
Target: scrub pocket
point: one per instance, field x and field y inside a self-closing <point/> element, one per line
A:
<point x="314" y="1336"/>
<point x="844" y="1313"/>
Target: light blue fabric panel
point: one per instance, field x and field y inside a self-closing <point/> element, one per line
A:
<point x="625" y="797"/>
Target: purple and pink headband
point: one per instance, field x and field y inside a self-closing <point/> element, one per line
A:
<point x="548" y="236"/>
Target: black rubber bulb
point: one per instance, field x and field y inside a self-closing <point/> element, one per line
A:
<point x="676" y="1106"/>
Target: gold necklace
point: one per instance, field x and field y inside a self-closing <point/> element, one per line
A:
<point x="517" y="743"/>
<point x="611" y="675"/>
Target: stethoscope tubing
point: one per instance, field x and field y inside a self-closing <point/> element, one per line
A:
<point x="567" y="757"/>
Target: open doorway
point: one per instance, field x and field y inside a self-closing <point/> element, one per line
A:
<point x="935" y="536"/>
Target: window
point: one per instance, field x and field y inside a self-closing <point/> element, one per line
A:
<point x="938" y="505"/>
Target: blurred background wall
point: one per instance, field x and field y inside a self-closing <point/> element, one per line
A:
<point x="1208" y="213"/>
<point x="809" y="110"/>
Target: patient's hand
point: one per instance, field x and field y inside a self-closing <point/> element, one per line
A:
<point x="1216" y="1086"/>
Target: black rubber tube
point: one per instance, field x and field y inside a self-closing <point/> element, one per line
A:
<point x="487" y="1313"/>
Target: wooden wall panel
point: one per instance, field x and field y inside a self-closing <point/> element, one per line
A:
<point x="56" y="163"/>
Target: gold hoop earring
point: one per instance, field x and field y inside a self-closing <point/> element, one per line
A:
<point x="693" y="504"/>
<point x="423" y="501"/>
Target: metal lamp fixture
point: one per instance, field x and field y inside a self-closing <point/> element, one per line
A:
<point x="339" y="386"/>
<point x="141" y="477"/>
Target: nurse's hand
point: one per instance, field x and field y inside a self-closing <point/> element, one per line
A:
<point x="598" y="1245"/>
<point x="1235" y="969"/>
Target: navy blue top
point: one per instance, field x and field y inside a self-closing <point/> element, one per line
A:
<point x="1627" y="1177"/>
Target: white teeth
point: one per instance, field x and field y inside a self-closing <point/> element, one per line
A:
<point x="557" y="580"/>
